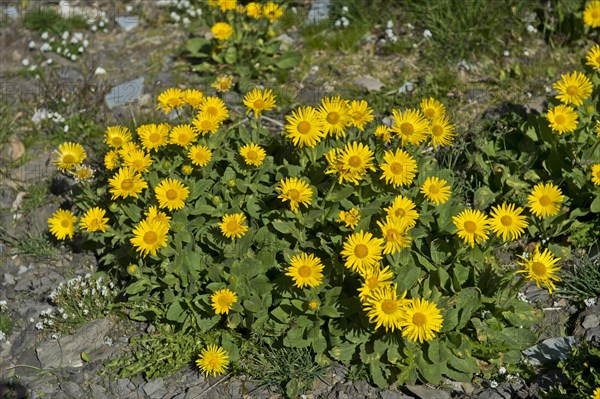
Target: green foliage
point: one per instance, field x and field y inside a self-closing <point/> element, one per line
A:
<point x="36" y="244"/>
<point x="582" y="371"/>
<point x="46" y="19"/>
<point x="35" y="197"/>
<point x="583" y="282"/>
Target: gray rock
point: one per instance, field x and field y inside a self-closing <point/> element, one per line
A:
<point x="590" y="321"/>
<point x="393" y="395"/>
<point x="423" y="392"/>
<point x="368" y="82"/>
<point x="9" y="279"/>
<point x="550" y="350"/>
<point x="66" y="351"/>
<point x="127" y="22"/>
<point x="72" y="390"/>
<point x="318" y="12"/>
<point x="120" y="387"/>
<point x="593" y="334"/>
<point x="491" y="393"/>
<point x="155" y="389"/>
<point x="407" y="87"/>
<point x="98" y="392"/>
<point x="125" y="93"/>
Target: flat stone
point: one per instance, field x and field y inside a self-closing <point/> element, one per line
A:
<point x="593" y="334"/>
<point x="155" y="389"/>
<point x="590" y="321"/>
<point x="369" y="83"/>
<point x="423" y="392"/>
<point x="98" y="392"/>
<point x="393" y="395"/>
<point x="125" y="93"/>
<point x="319" y="11"/>
<point x="550" y="350"/>
<point x="491" y="393"/>
<point x="127" y="22"/>
<point x="9" y="279"/>
<point x="72" y="389"/>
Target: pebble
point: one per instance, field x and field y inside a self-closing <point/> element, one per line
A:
<point x="590" y="321"/>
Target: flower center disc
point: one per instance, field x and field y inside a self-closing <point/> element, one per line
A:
<point x="372" y="282"/>
<point x="572" y="90"/>
<point x="506" y="220"/>
<point x="388" y="306"/>
<point x="303" y="127"/>
<point x="470" y="227"/>
<point x="212" y="110"/>
<point x="232" y="226"/>
<point x="538" y="268"/>
<point x="150" y="237"/>
<point x="400" y="212"/>
<point x="65" y="223"/>
<point x="171" y="194"/>
<point x="419" y="319"/>
<point x="407" y="129"/>
<point x="429" y="112"/>
<point x="396" y="168"/>
<point x="437" y="130"/>
<point x="355" y="161"/>
<point x="545" y="200"/>
<point x="433" y="189"/>
<point x="361" y="251"/>
<point x="206" y="125"/>
<point x="304" y="271"/>
<point x="333" y="118"/>
<point x="154" y="138"/>
<point x="69" y="158"/>
<point x="223" y="301"/>
<point x="252" y="155"/>
<point x="259" y="104"/>
<point x="117" y="141"/>
<point x="294" y="194"/>
<point x="560" y="119"/>
<point x="392" y="234"/>
<point x="127" y="184"/>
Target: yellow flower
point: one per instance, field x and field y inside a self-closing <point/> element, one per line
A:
<point x="403" y="208"/>
<point x="313" y="305"/>
<point x="411" y="125"/>
<point x="336" y="166"/>
<point x="304" y="127"/>
<point x="154" y="214"/>
<point x="132" y="269"/>
<point x="562" y="118"/>
<point x="295" y="190"/>
<point x="573" y="88"/>
<point x="545" y="200"/>
<point x="334" y="113"/>
<point x="272" y="11"/>
<point x="206" y="123"/>
<point x="399" y="168"/>
<point x="441" y="131"/>
<point x="360" y="114"/>
<point x="68" y="156"/>
<point x="432" y="108"/>
<point x="305" y="270"/>
<point x="540" y="267"/>
<point x="591" y="14"/>
<point x="395" y="234"/>
<point x="421" y="320"/>
<point x="111" y="159"/>
<point x="383" y="132"/>
<point x="171" y="194"/>
<point x="223" y="83"/>
<point x="355" y="160"/>
<point x="223" y="300"/>
<point x="436" y="190"/>
<point x="62" y="224"/>
<point x="126" y="183"/>
<point x="224" y="5"/>
<point x="169" y="99"/>
<point x="596" y="393"/>
<point x="362" y="251"/>
<point x="137" y="160"/>
<point x="212" y="359"/>
<point x="193" y="97"/>
<point x="385" y="308"/>
<point x="127" y="148"/>
<point x="116" y="136"/>
<point x="596" y="174"/>
<point x="82" y="173"/>
<point x="598" y="129"/>
<point x="215" y="107"/>
<point x="253" y="154"/>
<point x="153" y="136"/>
<point x="200" y="155"/>
<point x="93" y="220"/>
<point x="222" y="30"/>
<point x="259" y="100"/>
<point x="375" y="278"/>
<point x="232" y="225"/>
<point x="506" y="221"/>
<point x="350" y="218"/>
<point x="149" y="236"/>
<point x="593" y="57"/>
<point x="254" y="10"/>
<point x="183" y="135"/>
<point x="187" y="169"/>
<point x="472" y="226"/>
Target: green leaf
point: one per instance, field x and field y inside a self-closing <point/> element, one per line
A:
<point x="595" y="207"/>
<point x="288" y="60"/>
<point x="483" y="197"/>
<point x="86" y="357"/>
<point x="176" y="313"/>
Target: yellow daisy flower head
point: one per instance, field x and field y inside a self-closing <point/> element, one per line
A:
<point x="183" y="135"/>
<point x="137" y="160"/>
<point x="126" y="183"/>
<point x="68" y="156"/>
<point x="128" y="147"/>
<point x="116" y="136"/>
<point x="149" y="236"/>
<point x="541" y="268"/>
<point x="169" y="99"/>
<point x="187" y="169"/>
<point x="598" y="129"/>
<point x="421" y="320"/>
<point x="253" y="154"/>
<point x="93" y="220"/>
<point x="222" y="301"/>
<point x="171" y="194"/>
<point x="472" y="226"/>
<point x="272" y="11"/>
<point x="562" y="118"/>
<point x="154" y="136"/>
<point x="224" y="5"/>
<point x="374" y="278"/>
<point x="193" y="97"/>
<point x="399" y="168"/>
<point x="200" y="155"/>
<point x="223" y="83"/>
<point x="362" y="251"/>
<point x="232" y="225"/>
<point x="153" y="214"/>
<point x="395" y="234"/>
<point x="432" y="108"/>
<point x="360" y="114"/>
<point x="62" y="224"/>
<point x="441" y="131"/>
<point x="254" y="10"/>
<point x="596" y="174"/>
<point x="573" y="88"/>
<point x="334" y="113"/>
<point x="436" y="190"/>
<point x="336" y="166"/>
<point x="111" y="159"/>
<point x="349" y="218"/>
<point x="593" y="57"/>
<point x="304" y="127"/>
<point x="259" y="100"/>
<point x="212" y="360"/>
<point x="384" y="133"/>
<point x="596" y="394"/>
<point x="385" y="308"/>
<point x="306" y="270"/>
<point x="82" y="173"/>
<point x="221" y="31"/>
<point x="215" y="107"/>
<point x="545" y="200"/>
<point x="591" y="14"/>
<point x="411" y="125"/>
<point x="295" y="190"/>
<point x="313" y="305"/>
<point x="206" y="123"/>
<point x="507" y="221"/>
<point x="403" y="208"/>
<point x="356" y="159"/>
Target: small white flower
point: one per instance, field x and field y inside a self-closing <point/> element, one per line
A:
<point x="344" y="9"/>
<point x="45" y="36"/>
<point x="31" y="320"/>
<point x="427" y="34"/>
<point x="55" y="336"/>
<point x="73" y="57"/>
<point x="80" y="49"/>
<point x="390" y="24"/>
<point x="49" y="61"/>
<point x="33" y="68"/>
<point x="526" y="53"/>
<point x="3" y="305"/>
<point x="66" y="128"/>
<point x="65" y="35"/>
<point x="100" y="71"/>
<point x="45" y="47"/>
<point x="39" y="326"/>
<point x="2" y="336"/>
<point x="65" y="316"/>
<point x="493" y="384"/>
<point x="522" y="297"/>
<point x="506" y="53"/>
<point x="32" y="44"/>
<point x="345" y="21"/>
<point x="129" y="8"/>
<point x="85" y="312"/>
<point x="94" y="28"/>
<point x="85" y="43"/>
<point x="502" y="370"/>
<point x="186" y="21"/>
<point x="589" y="302"/>
<point x="409" y="25"/>
<point x="531" y="28"/>
<point x="101" y="24"/>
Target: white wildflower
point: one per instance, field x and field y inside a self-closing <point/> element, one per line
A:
<point x="427" y="34"/>
<point x="502" y="370"/>
<point x="589" y="302"/>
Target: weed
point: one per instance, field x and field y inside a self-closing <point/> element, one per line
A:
<point x="35" y="244"/>
<point x="583" y="282"/>
<point x="35" y="197"/>
<point x="48" y="20"/>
